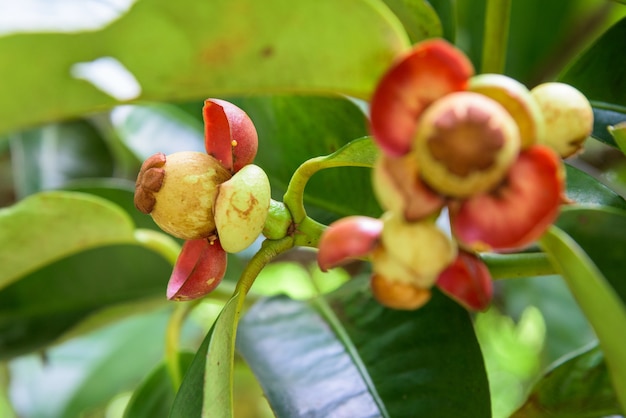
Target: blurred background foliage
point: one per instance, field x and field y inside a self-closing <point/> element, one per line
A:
<point x="532" y="324"/>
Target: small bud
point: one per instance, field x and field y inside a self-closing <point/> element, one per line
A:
<point x="183" y="205"/>
<point x="347" y="239"/>
<point x="568" y="115"/>
<point x="241" y="208"/>
<point x="465" y="144"/>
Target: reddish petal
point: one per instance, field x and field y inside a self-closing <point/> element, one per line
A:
<point x="432" y="69"/>
<point x="229" y="134"/>
<point x="348" y="238"/>
<point x="199" y="268"/>
<point x="518" y="212"/>
<point x="467" y="281"/>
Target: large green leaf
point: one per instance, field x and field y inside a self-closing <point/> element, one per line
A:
<point x="48" y="226"/>
<point x="418" y="18"/>
<point x="212" y="396"/>
<point x="346" y="355"/>
<point x="83" y="374"/>
<point x="48" y="157"/>
<point x="605" y="115"/>
<point x="592" y="279"/>
<point x="191" y="50"/>
<point x="45" y="304"/>
<point x="599" y="72"/>
<point x="583" y="189"/>
<point x="577" y="387"/>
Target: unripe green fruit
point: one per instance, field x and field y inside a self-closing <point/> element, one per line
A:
<point x="241" y="208"/>
<point x="184" y="203"/>
<point x="465" y="144"/>
<point x="568" y="115"/>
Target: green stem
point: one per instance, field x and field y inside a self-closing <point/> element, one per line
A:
<point x="511" y="266"/>
<point x="496" y="36"/>
<point x="294" y="196"/>
<point x="172" y="338"/>
<point x="269" y="250"/>
<point x="158" y="242"/>
<point x="308" y="233"/>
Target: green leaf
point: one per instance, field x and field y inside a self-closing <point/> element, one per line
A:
<point x="193" y="50"/>
<point x="605" y="115"/>
<point x="118" y="191"/>
<point x="211" y="397"/>
<point x="583" y="189"/>
<point x="578" y="386"/>
<point x="38" y="309"/>
<point x="346" y="355"/>
<point x="599" y="301"/>
<point x="88" y="371"/>
<point x="598" y="73"/>
<point x="50" y="156"/>
<point x="447" y="12"/>
<point x="48" y="226"/>
<point x="418" y="18"/>
<point x="291" y="130"/>
<point x="155" y="396"/>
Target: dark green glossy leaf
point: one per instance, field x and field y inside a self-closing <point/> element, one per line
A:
<point x="293" y="129"/>
<point x="419" y="19"/>
<point x="384" y="362"/>
<point x="583" y="189"/>
<point x="599" y="231"/>
<point x="48" y="226"/>
<point x="192" y="50"/>
<point x="155" y="396"/>
<point x="87" y="372"/>
<point x="598" y="73"/>
<point x="603" y="117"/>
<point x="577" y="387"/>
<point x="447" y="12"/>
<point x="36" y="310"/>
<point x="211" y="396"/>
<point x="592" y="280"/>
<point x="48" y="157"/>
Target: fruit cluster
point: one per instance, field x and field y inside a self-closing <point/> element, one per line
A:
<point x="482" y="149"/>
<point x="217" y="201"/>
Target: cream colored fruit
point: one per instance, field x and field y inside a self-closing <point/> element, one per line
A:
<point x="420" y="247"/>
<point x="517" y="100"/>
<point x="241" y="208"/>
<point x="568" y="116"/>
<point x="184" y="204"/>
<point x="465" y="144"/>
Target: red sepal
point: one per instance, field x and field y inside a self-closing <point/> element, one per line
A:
<point x="199" y="268"/>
